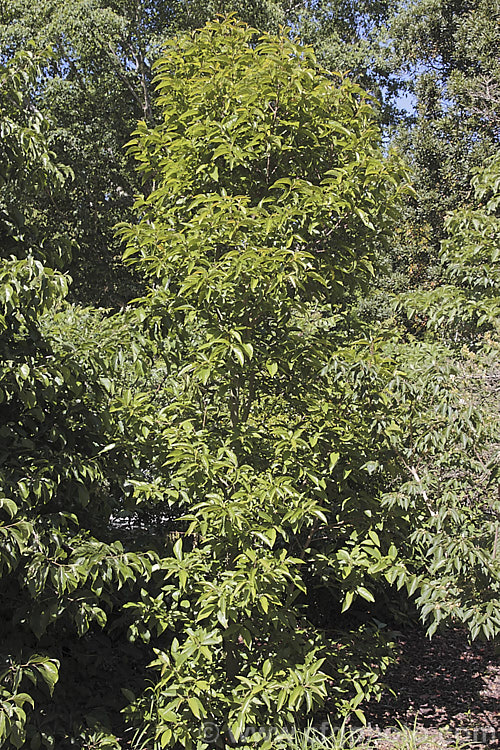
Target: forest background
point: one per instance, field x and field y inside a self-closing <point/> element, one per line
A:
<point x="255" y="428"/>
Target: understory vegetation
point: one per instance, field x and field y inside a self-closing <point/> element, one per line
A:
<point x="249" y="380"/>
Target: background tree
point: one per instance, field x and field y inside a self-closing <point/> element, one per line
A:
<point x="93" y="90"/>
<point x="449" y="52"/>
<point x="466" y="305"/>
<point x="28" y="168"/>
<point x="65" y="379"/>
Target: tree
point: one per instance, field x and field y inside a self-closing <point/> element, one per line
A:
<point x="466" y="304"/>
<point x="452" y="50"/>
<point x="448" y="51"/>
<point x="28" y="167"/>
<point x="98" y="83"/>
<point x="231" y="479"/>
<point x="95" y="87"/>
<point x="270" y="199"/>
<point x="304" y="461"/>
<point x="63" y="453"/>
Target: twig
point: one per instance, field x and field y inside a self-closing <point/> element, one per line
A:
<point x="424" y="493"/>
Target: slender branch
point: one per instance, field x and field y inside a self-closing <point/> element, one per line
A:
<point x="495" y="543"/>
<point x="123" y="78"/>
<point x="250" y="398"/>
<point x="146" y="107"/>
<point x="234" y="403"/>
<point x="309" y="539"/>
<point x="424" y="493"/>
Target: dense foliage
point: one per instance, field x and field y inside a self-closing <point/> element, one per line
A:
<point x="470" y="259"/>
<point x="254" y="218"/>
<point x="98" y="83"/>
<point x="448" y="50"/>
<point x="215" y="503"/>
<point x="63" y="377"/>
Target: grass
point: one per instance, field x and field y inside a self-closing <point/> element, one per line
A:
<point x="328" y="737"/>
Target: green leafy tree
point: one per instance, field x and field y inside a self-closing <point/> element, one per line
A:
<point x="448" y="50"/>
<point x="467" y="301"/>
<point x="270" y="200"/>
<point x="28" y="166"/>
<point x="92" y="91"/>
<point x="301" y="461"/>
<point x="98" y="84"/>
<point x="63" y="446"/>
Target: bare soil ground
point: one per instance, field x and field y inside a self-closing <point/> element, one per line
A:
<point x="443" y="685"/>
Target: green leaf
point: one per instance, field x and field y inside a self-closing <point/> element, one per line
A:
<point x="347" y="601"/>
<point x="272" y="368"/>
<point x="363" y="592"/>
<point x="49" y="671"/>
<point x="238" y="352"/>
<point x="334" y="457"/>
<point x="196" y="707"/>
<point x="177" y="549"/>
<point x="165" y="738"/>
